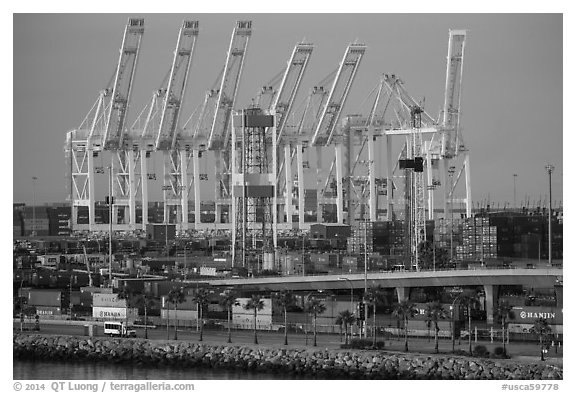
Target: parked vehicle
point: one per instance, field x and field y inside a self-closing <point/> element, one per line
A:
<point x="118" y="329"/>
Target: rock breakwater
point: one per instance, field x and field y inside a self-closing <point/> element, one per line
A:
<point x="329" y="364"/>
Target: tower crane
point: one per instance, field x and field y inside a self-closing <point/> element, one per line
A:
<point x="103" y="128"/>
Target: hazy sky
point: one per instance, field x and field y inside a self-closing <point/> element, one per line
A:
<point x="511" y="99"/>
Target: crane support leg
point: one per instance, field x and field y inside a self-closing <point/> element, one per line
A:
<point x="468" y="188"/>
<point x="339" y="195"/>
<point x="300" y="168"/>
<point x="445" y="187"/>
<point x="144" y="187"/>
<point x="91" y="189"/>
<point x="431" y="187"/>
<point x="389" y="207"/>
<point x="318" y="184"/>
<point x="132" y="190"/>
<point x="372" y="174"/>
<point x="288" y="180"/>
<point x="184" y="185"/>
<point x="196" y="181"/>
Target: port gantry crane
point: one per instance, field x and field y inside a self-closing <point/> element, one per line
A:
<point x="281" y="106"/>
<point x="103" y="129"/>
<point x="327" y="132"/>
<point x="157" y="129"/>
<point x="219" y="136"/>
<point x="211" y="129"/>
<point x="168" y="138"/>
<point x="437" y="142"/>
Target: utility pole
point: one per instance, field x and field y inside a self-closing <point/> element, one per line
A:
<point x="549" y="169"/>
<point x="110" y="217"/>
<point x="365" y="270"/>
<point x="33" y="233"/>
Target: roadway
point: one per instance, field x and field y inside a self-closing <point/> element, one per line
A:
<point x="528" y="351"/>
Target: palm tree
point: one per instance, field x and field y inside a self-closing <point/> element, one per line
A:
<point x="345" y="318"/>
<point x="126" y="293"/>
<point x="227" y="301"/>
<point x="374" y="295"/>
<point x="315" y="307"/>
<point x="405" y="310"/>
<point x="469" y="300"/>
<point x="255" y="303"/>
<point x="201" y="299"/>
<point x="284" y="299"/>
<point x="434" y="312"/>
<point x="143" y="300"/>
<point x="176" y="296"/>
<point x="503" y="312"/>
<point x="542" y="329"/>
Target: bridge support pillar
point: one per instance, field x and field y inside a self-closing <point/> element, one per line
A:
<point x="403" y="293"/>
<point x="491" y="292"/>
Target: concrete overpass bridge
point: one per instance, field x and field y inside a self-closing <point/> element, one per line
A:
<point x="490" y="279"/>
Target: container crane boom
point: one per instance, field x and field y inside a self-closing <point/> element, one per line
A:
<point x="220" y="131"/>
<point x="114" y="134"/>
<point x="453" y="89"/>
<point x="332" y="109"/>
<point x="166" y="138"/>
<point x="284" y="99"/>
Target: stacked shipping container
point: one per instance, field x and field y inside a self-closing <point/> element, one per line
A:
<point x="478" y="240"/>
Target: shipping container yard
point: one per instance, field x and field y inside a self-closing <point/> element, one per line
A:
<point x="318" y="217"/>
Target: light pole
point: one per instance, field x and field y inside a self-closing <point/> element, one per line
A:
<point x="365" y="274"/>
<point x="351" y="293"/>
<point x="303" y="257"/>
<point x="453" y="321"/>
<point x="110" y="217"/>
<point x="515" y="176"/>
<point x="549" y="169"/>
<point x="33" y="233"/>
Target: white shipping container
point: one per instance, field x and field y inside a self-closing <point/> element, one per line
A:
<point x="111" y="313"/>
<point x="107" y="300"/>
<point x="207" y="271"/>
